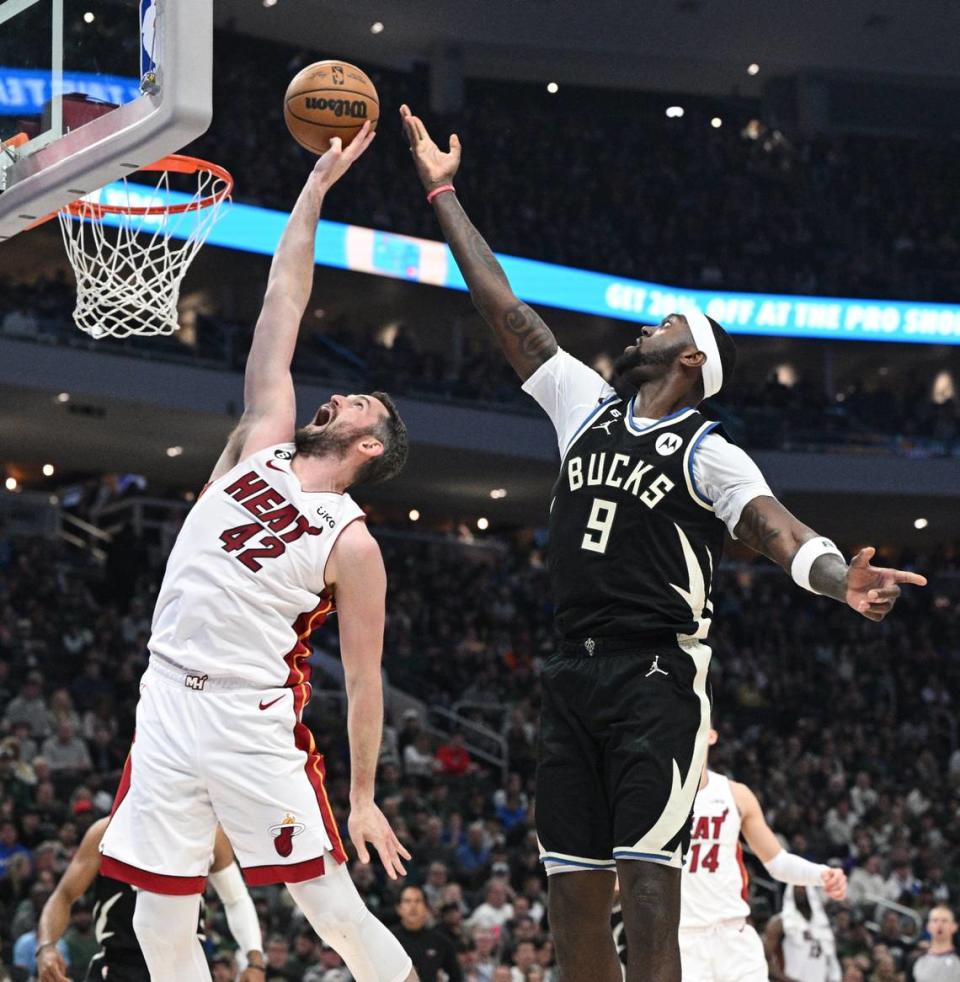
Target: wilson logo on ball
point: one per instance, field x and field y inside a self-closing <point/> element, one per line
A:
<point x="355" y="109"/>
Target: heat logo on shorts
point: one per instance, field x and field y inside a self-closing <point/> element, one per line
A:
<point x="283" y="834"/>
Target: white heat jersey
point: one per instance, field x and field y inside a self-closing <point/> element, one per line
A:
<point x="244" y="582"/>
<point x="809" y="950"/>
<point x="714" y="880"/>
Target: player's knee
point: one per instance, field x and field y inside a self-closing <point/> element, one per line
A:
<point x="163" y="924"/>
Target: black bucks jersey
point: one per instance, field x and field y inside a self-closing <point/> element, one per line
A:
<point x="633" y="542"/>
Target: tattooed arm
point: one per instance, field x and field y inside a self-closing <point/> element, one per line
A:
<point x="767" y="527"/>
<point x="526" y="340"/>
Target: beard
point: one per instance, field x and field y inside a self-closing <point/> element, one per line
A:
<point x="326" y="443"/>
<point x="626" y="377"/>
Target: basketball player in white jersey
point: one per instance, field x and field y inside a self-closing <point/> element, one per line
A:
<point x="716" y="942"/>
<point x="799" y="940"/>
<point x="272" y="546"/>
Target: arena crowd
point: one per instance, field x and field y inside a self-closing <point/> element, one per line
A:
<point x="845" y="730"/>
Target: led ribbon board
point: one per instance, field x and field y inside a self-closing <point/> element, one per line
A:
<point x="365" y="250"/>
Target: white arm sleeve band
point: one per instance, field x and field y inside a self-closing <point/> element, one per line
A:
<point x="800" y="872"/>
<point x="238" y="906"/>
<point x="806" y="556"/>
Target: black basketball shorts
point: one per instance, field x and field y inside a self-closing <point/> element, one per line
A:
<point x="623" y="741"/>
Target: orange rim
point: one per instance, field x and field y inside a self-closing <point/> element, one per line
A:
<point x="175" y="163"/>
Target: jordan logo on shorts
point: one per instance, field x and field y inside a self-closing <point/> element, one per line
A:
<point x="195" y="682"/>
<point x="655" y="667"/>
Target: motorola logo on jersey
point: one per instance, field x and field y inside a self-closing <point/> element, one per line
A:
<point x="283" y="834"/>
<point x="668" y="443"/>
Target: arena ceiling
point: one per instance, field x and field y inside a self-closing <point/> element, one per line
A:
<point x="671" y="45"/>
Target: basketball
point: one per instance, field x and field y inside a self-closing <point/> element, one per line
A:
<point x="328" y="99"/>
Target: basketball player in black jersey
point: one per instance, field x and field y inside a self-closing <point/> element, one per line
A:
<point x="119" y="958"/>
<point x="637" y="521"/>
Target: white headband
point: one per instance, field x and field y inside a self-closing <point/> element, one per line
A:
<point x="706" y="342"/>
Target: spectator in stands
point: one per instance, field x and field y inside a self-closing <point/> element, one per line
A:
<point x="66" y="752"/>
<point x="418" y="758"/>
<point x="10" y="846"/>
<point x="496" y="909"/>
<point x="453" y="757"/>
<point x="866" y="882"/>
<point x="430" y="951"/>
<point x="305" y="954"/>
<point x="473" y="857"/>
<point x="29" y="707"/>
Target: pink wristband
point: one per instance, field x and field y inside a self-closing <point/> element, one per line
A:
<point x="439" y="190"/>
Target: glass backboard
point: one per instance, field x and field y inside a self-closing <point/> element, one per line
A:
<point x="92" y="90"/>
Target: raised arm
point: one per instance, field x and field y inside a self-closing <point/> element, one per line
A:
<point x="269" y="405"/>
<point x="780" y="864"/>
<point x="526" y="340"/>
<point x="358" y="579"/>
<point x="816" y="564"/>
<point x="55" y="916"/>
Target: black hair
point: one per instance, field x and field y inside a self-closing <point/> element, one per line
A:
<point x="392" y="433"/>
<point x="418" y="888"/>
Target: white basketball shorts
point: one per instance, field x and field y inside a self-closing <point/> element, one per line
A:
<point x="216" y="750"/>
<point x="729" y="951"/>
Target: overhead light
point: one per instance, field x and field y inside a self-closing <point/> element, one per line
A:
<point x="48" y="470"/>
<point x="674" y="112"/>
<point x="753" y="68"/>
<point x="269" y="3"/>
<point x="63" y="397"/>
<point x="553" y="88"/>
<point x="414" y="515"/>
<point x="376" y="27"/>
<point x="11" y="484"/>
<point x="482" y="524"/>
<point x="53" y="499"/>
<point x="174" y="451"/>
<point x="89" y="17"/>
<point x="498" y="493"/>
<point x="920" y="523"/>
<point x="716" y="122"/>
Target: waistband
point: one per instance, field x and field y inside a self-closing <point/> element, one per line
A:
<point x="730" y="924"/>
<point x="168" y="669"/>
<point x="592" y="647"/>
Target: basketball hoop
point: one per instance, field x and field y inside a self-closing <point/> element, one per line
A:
<point x="128" y="280"/>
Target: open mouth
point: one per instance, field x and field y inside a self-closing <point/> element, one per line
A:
<point x="324" y="415"/>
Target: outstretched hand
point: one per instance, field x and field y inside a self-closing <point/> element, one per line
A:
<point x="337" y="161"/>
<point x="368" y="824"/>
<point x="873" y="590"/>
<point x="433" y="165"/>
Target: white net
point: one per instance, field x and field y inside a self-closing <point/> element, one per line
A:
<point x="129" y="266"/>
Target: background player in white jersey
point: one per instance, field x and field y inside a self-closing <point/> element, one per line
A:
<point x="799" y="940"/>
<point x="272" y="545"/>
<point x="716" y="942"/>
<point x="119" y="958"/>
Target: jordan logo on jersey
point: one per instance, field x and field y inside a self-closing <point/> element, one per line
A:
<point x="274" y="513"/>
